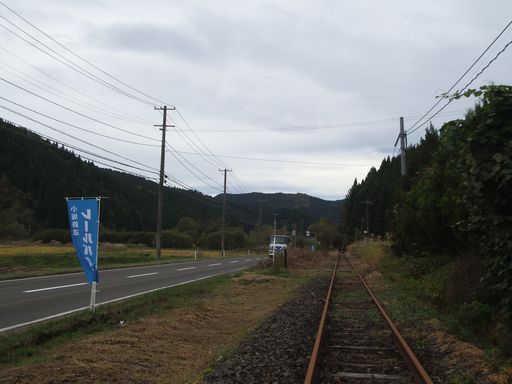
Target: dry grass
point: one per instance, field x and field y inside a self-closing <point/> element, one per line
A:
<point x="27" y="260"/>
<point x="173" y="347"/>
<point x="16" y="250"/>
<point x="304" y="260"/>
<point x="43" y="249"/>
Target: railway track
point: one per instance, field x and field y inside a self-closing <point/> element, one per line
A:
<point x="356" y="341"/>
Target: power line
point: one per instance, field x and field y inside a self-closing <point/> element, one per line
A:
<point x="220" y="163"/>
<point x="239" y="182"/>
<point x="59" y="93"/>
<point x="283" y="161"/>
<point x="313" y="127"/>
<point x="65" y="61"/>
<point x="80" y="140"/>
<point x="82" y="58"/>
<point x="459" y="92"/>
<point x="77" y="127"/>
<point x="446" y="94"/>
<point x="191" y="144"/>
<point x="137" y="118"/>
<point x="77" y="149"/>
<point x="173" y="152"/>
<point x="76" y="112"/>
<point x="235" y="214"/>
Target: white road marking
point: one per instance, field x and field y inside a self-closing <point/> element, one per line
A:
<point x="105" y="302"/>
<point x="143" y="274"/>
<point x="59" y="287"/>
<point x="234" y="261"/>
<point x="215" y="264"/>
<point x="185" y="269"/>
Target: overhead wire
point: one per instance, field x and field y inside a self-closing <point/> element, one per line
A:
<point x="190" y="142"/>
<point x="78" y="92"/>
<point x="314" y="127"/>
<point x="77" y="127"/>
<point x="446" y="94"/>
<point x="238" y="182"/>
<point x="81" y="57"/>
<point x="220" y="163"/>
<point x="68" y="63"/>
<point x="459" y="92"/>
<point x="76" y="112"/>
<point x="173" y="152"/>
<point x="285" y="161"/>
<point x="230" y="211"/>
<point x="59" y="93"/>
<point x="85" y="142"/>
<point x="38" y="137"/>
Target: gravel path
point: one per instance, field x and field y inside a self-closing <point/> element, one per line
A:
<point x="278" y="350"/>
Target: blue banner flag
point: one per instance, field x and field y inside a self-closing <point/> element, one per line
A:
<point x="84" y="225"/>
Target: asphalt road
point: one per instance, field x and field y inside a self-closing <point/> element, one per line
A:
<point x="32" y="300"/>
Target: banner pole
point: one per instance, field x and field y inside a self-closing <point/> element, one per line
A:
<point x="94" y="283"/>
<point x="98" y="235"/>
<point x="93" y="298"/>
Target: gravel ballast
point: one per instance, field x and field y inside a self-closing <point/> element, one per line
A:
<point x="278" y="351"/>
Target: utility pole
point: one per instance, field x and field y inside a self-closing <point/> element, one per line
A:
<point x="223" y="252"/>
<point x="294" y="233"/>
<point x="367" y="203"/>
<point x="158" y="241"/>
<point x="275" y="222"/>
<point x="403" y="145"/>
<point x="261" y="210"/>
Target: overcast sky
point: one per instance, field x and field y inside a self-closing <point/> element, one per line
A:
<point x="314" y="88"/>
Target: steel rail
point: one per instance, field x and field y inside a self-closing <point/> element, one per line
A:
<point x="419" y="372"/>
<point x="318" y="341"/>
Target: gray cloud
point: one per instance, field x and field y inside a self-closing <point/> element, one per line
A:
<point x="266" y="64"/>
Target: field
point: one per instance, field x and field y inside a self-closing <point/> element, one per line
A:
<point x="29" y="260"/>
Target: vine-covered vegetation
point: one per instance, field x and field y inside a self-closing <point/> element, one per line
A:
<point x="453" y="210"/>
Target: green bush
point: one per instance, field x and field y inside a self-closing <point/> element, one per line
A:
<point x="476" y="316"/>
<point x="13" y="231"/>
<point x="233" y="239"/>
<point x="115" y="237"/>
<point x="49" y="235"/>
<point x="437" y="286"/>
<point x="174" y="239"/>
<point x="146" y="238"/>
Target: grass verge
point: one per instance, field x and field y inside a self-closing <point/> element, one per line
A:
<point x="30" y="345"/>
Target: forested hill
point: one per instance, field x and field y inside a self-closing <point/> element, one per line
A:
<point x="293" y="207"/>
<point x="36" y="176"/>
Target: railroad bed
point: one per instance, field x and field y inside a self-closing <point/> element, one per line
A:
<point x="357" y="345"/>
